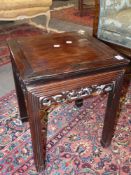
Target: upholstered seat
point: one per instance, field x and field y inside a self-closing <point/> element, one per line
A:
<point x="23" y="4"/>
<point x="21" y="9"/>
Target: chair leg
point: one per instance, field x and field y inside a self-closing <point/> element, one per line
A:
<point x="47" y="14"/>
<point x="47" y="20"/>
<point x="30" y="21"/>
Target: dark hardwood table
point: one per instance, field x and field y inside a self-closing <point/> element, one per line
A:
<point x="62" y="67"/>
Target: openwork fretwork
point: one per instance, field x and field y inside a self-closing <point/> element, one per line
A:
<point x="76" y="94"/>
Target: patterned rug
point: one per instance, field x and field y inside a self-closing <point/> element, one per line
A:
<point x="78" y="152"/>
<point x="11" y="32"/>
<point x="72" y="15"/>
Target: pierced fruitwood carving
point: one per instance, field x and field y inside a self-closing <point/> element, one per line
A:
<point x="76" y="94"/>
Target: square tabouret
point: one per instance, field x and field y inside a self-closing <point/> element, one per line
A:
<point x="63" y="67"/>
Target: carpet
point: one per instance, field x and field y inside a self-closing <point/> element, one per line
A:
<point x="71" y="14"/>
<point x="12" y="32"/>
<point x="78" y="152"/>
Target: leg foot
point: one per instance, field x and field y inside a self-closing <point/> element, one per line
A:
<point x="104" y="145"/>
<point x="40" y="168"/>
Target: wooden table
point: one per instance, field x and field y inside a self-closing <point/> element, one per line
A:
<point x="62" y="67"/>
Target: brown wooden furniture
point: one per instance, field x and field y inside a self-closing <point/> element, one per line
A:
<point x="57" y="68"/>
<point x="123" y="50"/>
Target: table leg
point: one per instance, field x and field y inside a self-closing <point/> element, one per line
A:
<point x="21" y="99"/>
<point x="80" y="7"/>
<point x="111" y="112"/>
<point x="38" y="131"/>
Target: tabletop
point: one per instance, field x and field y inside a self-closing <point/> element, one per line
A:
<point x="60" y="55"/>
